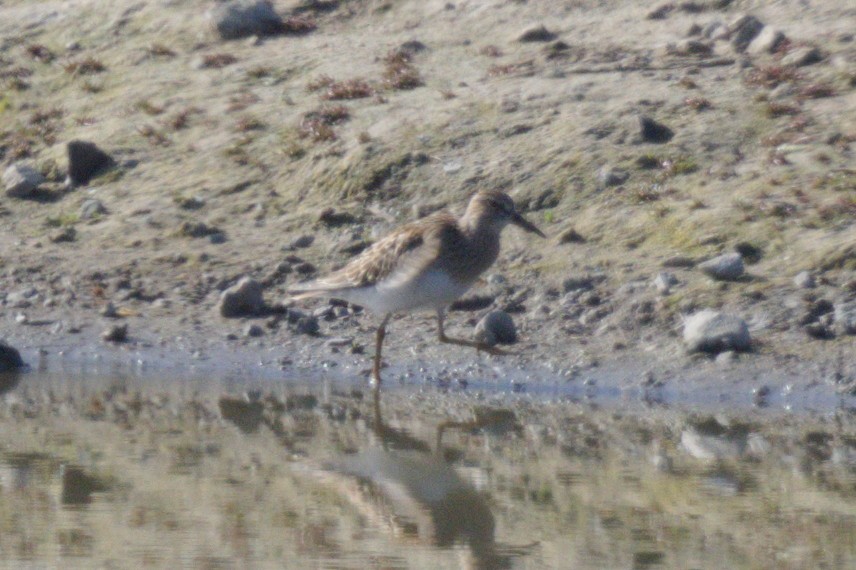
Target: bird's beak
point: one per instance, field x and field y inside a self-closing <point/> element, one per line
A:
<point x="522" y="222"/>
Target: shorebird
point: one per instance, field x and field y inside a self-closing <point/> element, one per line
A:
<point x="426" y="264"/>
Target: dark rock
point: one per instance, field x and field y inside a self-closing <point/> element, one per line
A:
<point x="497" y="327"/>
<point x="660" y="12"/>
<point x="679" y="261"/>
<point x="302" y="241"/>
<point x="331" y="218"/>
<point x="653" y="131"/>
<point x="253" y="330"/>
<point x="571" y="235"/>
<point x="307" y="325"/>
<point x="10" y="358"/>
<point x="244" y="299"/>
<point x="116" y="333"/>
<point x="537" y="34"/>
<point x="411" y="48"/>
<point x="21" y="180"/>
<point x="610" y="176"/>
<point x="751" y="253"/>
<point x="85" y="160"/>
<point x="244" y="18"/>
<point x="743" y="30"/>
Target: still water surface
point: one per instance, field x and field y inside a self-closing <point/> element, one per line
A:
<point x="127" y="472"/>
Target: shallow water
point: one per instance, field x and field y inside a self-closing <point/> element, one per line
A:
<point x="119" y="469"/>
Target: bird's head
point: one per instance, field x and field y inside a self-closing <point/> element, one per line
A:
<point x="497" y="209"/>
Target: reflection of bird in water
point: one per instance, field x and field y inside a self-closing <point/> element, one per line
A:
<point x="415" y="494"/>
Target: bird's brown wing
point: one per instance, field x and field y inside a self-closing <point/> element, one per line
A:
<point x="404" y="252"/>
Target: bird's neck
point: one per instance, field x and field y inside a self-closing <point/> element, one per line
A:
<point x="483" y="242"/>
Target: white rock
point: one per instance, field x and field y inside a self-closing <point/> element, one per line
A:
<point x="21" y="180"/>
<point x="725" y="267"/>
<point x="714" y="331"/>
<point x="766" y="42"/>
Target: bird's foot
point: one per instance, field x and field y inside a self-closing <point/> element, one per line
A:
<point x="493" y="350"/>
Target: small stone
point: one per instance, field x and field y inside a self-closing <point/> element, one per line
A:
<point x="679" y="261"/>
<point x="845" y="317"/>
<point x="571" y="235"/>
<point x="109" y="311"/>
<point x="307" y="325"/>
<point x="245" y="18"/>
<point x="21" y="180"/>
<point x="85" y="160"/>
<point x="653" y="131"/>
<point x="610" y="176"/>
<point x="537" y="34"/>
<point x="660" y="12"/>
<point x="253" y="330"/>
<point x="497" y="327"/>
<point x="803" y="56"/>
<point x="727" y="267"/>
<point x="92" y="208"/>
<point x="10" y="358"/>
<point x="713" y="331"/>
<point x="766" y="42"/>
<point x="805" y="280"/>
<point x="715" y="31"/>
<point x="244" y="299"/>
<point x="64" y="235"/>
<point x="690" y="46"/>
<point x="726" y="357"/>
<point x="21" y="319"/>
<point x="743" y="30"/>
<point x="664" y="281"/>
<point x="303" y="241"/>
<point x="116" y="333"/>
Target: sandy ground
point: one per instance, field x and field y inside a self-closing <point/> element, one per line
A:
<point x="206" y="131"/>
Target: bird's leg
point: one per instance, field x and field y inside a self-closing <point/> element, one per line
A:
<point x="441" y="336"/>
<point x="381" y="334"/>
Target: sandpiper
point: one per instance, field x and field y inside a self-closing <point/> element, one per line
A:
<point x="426" y="264"/>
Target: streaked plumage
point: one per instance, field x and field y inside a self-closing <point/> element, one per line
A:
<point x="425" y="264"/>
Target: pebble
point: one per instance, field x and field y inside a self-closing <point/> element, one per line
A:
<point x="10" y="358"/>
<point x="115" y="333"/>
<point x="496" y="327"/>
<point x="713" y="331"/>
<point x="21" y="180"/>
<point x="805" y="280"/>
<point x="245" y="18"/>
<point x="253" y="330"/>
<point x="91" y="209"/>
<point x="307" y="325"/>
<point x="664" y="281"/>
<point x="845" y="316"/>
<point x="303" y="241"/>
<point x="726" y="357"/>
<point x="726" y="267"/>
<point x="85" y="160"/>
<point x="654" y="131"/>
<point x="610" y="176"/>
<point x="109" y="311"/>
<point x="803" y="56"/>
<point x="243" y="299"/>
<point x="743" y="30"/>
<point x="536" y="34"/>
<point x="766" y="42"/>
